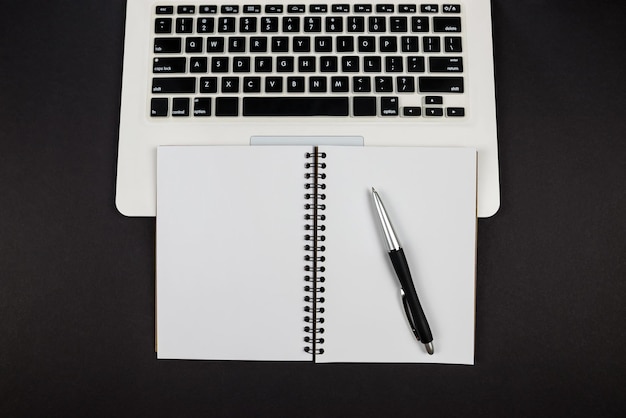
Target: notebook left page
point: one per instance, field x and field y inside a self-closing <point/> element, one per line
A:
<point x="229" y="253"/>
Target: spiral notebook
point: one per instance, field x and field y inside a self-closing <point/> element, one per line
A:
<point x="275" y="253"/>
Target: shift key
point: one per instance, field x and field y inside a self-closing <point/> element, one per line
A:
<point x="174" y="85"/>
<point x="441" y="84"/>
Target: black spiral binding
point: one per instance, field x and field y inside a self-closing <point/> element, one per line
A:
<point x="314" y="259"/>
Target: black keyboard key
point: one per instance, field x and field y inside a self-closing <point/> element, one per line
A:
<point x="167" y="45"/>
<point x="328" y="64"/>
<point x="433" y="111"/>
<point x="229" y="9"/>
<point x="165" y="10"/>
<point x="345" y="44"/>
<point x="295" y="84"/>
<point x="219" y="64"/>
<point x="405" y="84"/>
<point x="407" y="8"/>
<point x="193" y="45"/>
<point x="258" y="44"/>
<point x="415" y="64"/>
<point x="226" y="106"/>
<point x="341" y="8"/>
<point x="296" y="8"/>
<point x="198" y="64"/>
<point x="253" y="8"/>
<point x="269" y="24"/>
<point x="274" y="8"/>
<point x="215" y="44"/>
<point x="301" y="44"/>
<point x="388" y="44"/>
<point x="447" y="24"/>
<point x="367" y="44"/>
<point x="208" y="9"/>
<point x="174" y="85"/>
<point x="363" y="8"/>
<point x="323" y="44"/>
<point x="163" y="25"/>
<point x="273" y="85"/>
<point x="208" y="85"/>
<point x="340" y="84"/>
<point x="291" y="24"/>
<point x="230" y="85"/>
<point x="453" y="44"/>
<point x="429" y="8"/>
<point x="398" y="24"/>
<point x="284" y="64"/>
<point x="184" y="25"/>
<point x="372" y="64"/>
<point x="202" y="106"/>
<point x="412" y="111"/>
<point x="377" y="24"/>
<point x="169" y="65"/>
<point x="295" y="106"/>
<point x="180" y="106"/>
<point x="446" y="64"/>
<point x="432" y="43"/>
<point x="252" y="84"/>
<point x="189" y="10"/>
<point x="205" y="25"/>
<point x="452" y="8"/>
<point x="364" y="106"/>
<point x="385" y="8"/>
<point x="159" y="106"/>
<point x="350" y="64"/>
<point x="356" y="24"/>
<point x="334" y="24"/>
<point x="226" y="24"/>
<point x="361" y="84"/>
<point x="247" y="24"/>
<point x="318" y="8"/>
<point x="241" y="64"/>
<point x="410" y="44"/>
<point x="455" y="112"/>
<point x="313" y="24"/>
<point x="263" y="64"/>
<point x="236" y="44"/>
<point x="317" y="84"/>
<point x="383" y="84"/>
<point x="280" y="44"/>
<point x="441" y="84"/>
<point x="433" y="100"/>
<point x="419" y="24"/>
<point x="306" y="64"/>
<point x="393" y="64"/>
<point x="389" y="106"/>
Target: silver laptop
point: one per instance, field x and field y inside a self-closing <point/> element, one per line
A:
<point x="264" y="71"/>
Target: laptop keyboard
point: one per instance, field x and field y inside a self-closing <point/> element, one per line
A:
<point x="367" y="60"/>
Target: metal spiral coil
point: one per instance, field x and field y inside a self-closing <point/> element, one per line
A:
<point x="314" y="258"/>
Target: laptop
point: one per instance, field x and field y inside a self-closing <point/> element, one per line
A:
<point x="357" y="72"/>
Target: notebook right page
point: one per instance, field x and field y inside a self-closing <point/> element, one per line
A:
<point x="430" y="195"/>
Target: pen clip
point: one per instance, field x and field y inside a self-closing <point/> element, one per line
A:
<point x="409" y="315"/>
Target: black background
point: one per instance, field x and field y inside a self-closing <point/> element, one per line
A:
<point x="77" y="278"/>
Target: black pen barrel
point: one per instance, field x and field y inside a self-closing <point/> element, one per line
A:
<point x="401" y="267"/>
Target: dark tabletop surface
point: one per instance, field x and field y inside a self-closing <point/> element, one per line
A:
<point x="77" y="278"/>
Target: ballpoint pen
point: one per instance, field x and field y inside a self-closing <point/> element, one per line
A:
<point x="412" y="307"/>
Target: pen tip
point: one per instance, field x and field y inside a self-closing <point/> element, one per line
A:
<point x="373" y="190"/>
<point x="430" y="348"/>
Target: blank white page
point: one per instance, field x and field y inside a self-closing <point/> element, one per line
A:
<point x="230" y="253"/>
<point x="430" y="195"/>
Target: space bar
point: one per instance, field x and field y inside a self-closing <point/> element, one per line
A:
<point x="295" y="106"/>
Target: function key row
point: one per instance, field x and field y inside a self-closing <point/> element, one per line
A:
<point x="313" y="8"/>
<point x="294" y="24"/>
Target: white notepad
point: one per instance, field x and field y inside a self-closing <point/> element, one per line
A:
<point x="231" y="254"/>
